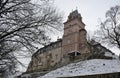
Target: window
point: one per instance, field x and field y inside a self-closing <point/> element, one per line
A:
<point x="70" y="25"/>
<point x="56" y="56"/>
<point x="54" y="45"/>
<point x="50" y="55"/>
<point x="39" y="60"/>
<point x="68" y="41"/>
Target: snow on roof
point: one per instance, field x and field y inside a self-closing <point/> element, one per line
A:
<point x="111" y="55"/>
<point x="88" y="67"/>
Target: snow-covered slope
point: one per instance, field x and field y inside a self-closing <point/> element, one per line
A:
<point x="88" y="67"/>
<point x="111" y="55"/>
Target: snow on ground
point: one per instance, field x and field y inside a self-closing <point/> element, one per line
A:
<point x="88" y="67"/>
<point x="111" y="55"/>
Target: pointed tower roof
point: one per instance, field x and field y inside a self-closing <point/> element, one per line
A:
<point x="73" y="15"/>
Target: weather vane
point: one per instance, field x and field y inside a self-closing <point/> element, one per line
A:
<point x="76" y="8"/>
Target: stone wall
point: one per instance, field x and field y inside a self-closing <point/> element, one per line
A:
<point x="45" y="58"/>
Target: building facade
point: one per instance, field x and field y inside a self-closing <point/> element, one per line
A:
<point x="46" y="57"/>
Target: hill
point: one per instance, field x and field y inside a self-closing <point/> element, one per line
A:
<point x="87" y="67"/>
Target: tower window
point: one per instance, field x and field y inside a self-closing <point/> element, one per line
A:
<point x="56" y="56"/>
<point x="68" y="41"/>
<point x="70" y="25"/>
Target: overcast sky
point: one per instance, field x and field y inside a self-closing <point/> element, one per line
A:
<point x="92" y="11"/>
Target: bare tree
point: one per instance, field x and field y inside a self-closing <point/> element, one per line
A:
<point x="109" y="31"/>
<point x="23" y="26"/>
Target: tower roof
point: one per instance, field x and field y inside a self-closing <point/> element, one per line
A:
<point x="74" y="14"/>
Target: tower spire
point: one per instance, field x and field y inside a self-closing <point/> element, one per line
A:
<point x="76" y="8"/>
<point x="74" y="14"/>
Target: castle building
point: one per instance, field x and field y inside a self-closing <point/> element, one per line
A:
<point x="73" y="43"/>
<point x="73" y="47"/>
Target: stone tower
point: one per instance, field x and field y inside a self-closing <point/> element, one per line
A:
<point x="74" y="38"/>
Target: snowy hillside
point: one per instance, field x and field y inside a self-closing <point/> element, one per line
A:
<point x="88" y="67"/>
